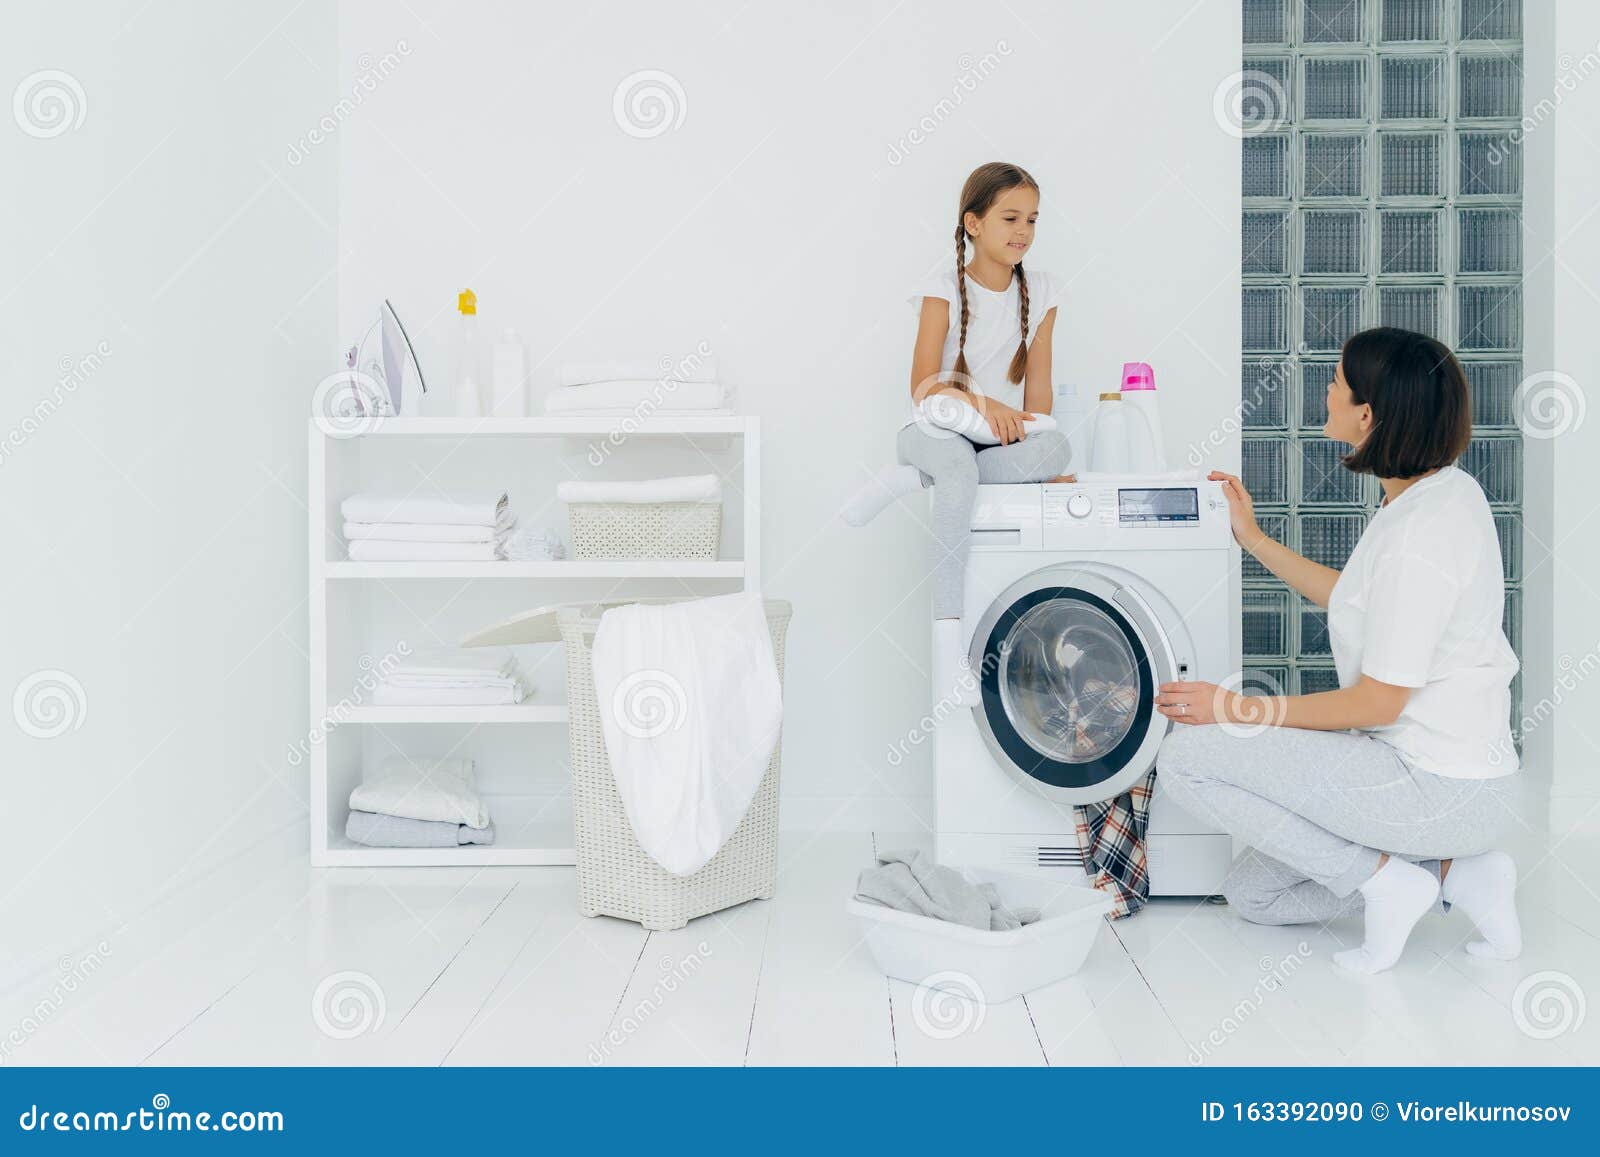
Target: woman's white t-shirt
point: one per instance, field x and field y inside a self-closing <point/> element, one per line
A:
<point x="1419" y="605"/>
<point x="994" y="329"/>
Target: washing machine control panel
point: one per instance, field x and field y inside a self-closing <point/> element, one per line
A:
<point x="1103" y="513"/>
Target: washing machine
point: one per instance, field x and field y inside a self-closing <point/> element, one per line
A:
<point x="1081" y="600"/>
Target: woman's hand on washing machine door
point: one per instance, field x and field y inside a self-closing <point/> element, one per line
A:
<point x="1193" y="702"/>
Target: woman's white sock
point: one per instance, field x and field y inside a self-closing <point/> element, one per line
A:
<point x="1485" y="888"/>
<point x="873" y="498"/>
<point x="1397" y="896"/>
<point x="953" y="676"/>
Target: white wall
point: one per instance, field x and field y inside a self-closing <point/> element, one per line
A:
<point x="163" y="260"/>
<point x="774" y="225"/>
<point x="1562" y="144"/>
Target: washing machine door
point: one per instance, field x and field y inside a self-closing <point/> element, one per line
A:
<point x="1070" y="659"/>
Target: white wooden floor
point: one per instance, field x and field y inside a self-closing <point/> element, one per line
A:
<point x="495" y="966"/>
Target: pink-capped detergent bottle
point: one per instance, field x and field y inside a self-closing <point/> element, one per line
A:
<point x="1148" y="444"/>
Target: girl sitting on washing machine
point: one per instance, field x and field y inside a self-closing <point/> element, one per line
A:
<point x="1387" y="795"/>
<point x="980" y="391"/>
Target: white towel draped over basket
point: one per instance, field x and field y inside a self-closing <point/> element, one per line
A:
<point x="690" y="707"/>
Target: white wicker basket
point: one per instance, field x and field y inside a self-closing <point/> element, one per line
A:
<point x="615" y="875"/>
<point x="645" y="529"/>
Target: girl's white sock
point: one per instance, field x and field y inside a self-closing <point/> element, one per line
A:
<point x="953" y="677"/>
<point x="873" y="498"/>
<point x="1485" y="888"/>
<point x="1397" y="896"/>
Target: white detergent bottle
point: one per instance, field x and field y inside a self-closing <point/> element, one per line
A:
<point x="1109" y="446"/>
<point x="1074" y="418"/>
<point x="468" y="387"/>
<point x="1149" y="447"/>
<point x="510" y="377"/>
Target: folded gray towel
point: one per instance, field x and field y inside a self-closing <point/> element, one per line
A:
<point x="912" y="882"/>
<point x="380" y="831"/>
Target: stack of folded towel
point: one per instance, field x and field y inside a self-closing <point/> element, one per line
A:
<point x="463" y="527"/>
<point x="468" y="677"/>
<point x="689" y="488"/>
<point x="627" y="385"/>
<point x="418" y="803"/>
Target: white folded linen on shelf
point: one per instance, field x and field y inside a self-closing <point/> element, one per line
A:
<point x="667" y="395"/>
<point x="386" y="694"/>
<point x="422" y="789"/>
<point x="458" y="663"/>
<point x="690" y="707"/>
<point x="653" y="369"/>
<point x="687" y="488"/>
<point x="483" y="508"/>
<point x="534" y="544"/>
<point x="385" y="550"/>
<point x="429" y="531"/>
<point x="443" y="683"/>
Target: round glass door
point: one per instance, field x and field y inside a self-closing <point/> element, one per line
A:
<point x="1068" y="691"/>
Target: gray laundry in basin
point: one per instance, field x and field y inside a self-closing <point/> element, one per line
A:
<point x="913" y="882"/>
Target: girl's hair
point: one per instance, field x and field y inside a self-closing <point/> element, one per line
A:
<point x="1421" y="403"/>
<point x="985" y="184"/>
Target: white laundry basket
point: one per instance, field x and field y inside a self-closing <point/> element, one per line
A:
<point x="645" y="529"/>
<point x="989" y="967"/>
<point x="615" y="875"/>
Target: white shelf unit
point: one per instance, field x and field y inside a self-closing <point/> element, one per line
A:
<point x="340" y="589"/>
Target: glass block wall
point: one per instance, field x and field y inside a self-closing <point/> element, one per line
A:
<point x="1382" y="186"/>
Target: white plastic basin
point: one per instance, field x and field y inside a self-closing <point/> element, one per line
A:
<point x="990" y="967"/>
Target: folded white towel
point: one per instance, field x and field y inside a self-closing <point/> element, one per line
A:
<point x="689" y="488"/>
<point x="384" y="550"/>
<point x="690" y="708"/>
<point x="422" y="789"/>
<point x="673" y="396"/>
<point x="950" y="413"/>
<point x="429" y="531"/>
<point x="654" y="369"/>
<point x="387" y="694"/>
<point x="534" y="544"/>
<point x="458" y="663"/>
<point x="479" y="509"/>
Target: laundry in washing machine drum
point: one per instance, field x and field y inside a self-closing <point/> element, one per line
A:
<point x="1069" y="681"/>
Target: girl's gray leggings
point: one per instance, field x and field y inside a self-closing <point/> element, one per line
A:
<point x="1316" y="809"/>
<point x="954" y="467"/>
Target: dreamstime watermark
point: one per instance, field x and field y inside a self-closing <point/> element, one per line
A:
<point x="49" y="103"/>
<point x="1247" y="703"/>
<point x="1548" y="404"/>
<point x="673" y="974"/>
<point x="346" y="1005"/>
<point x="1274" y="974"/>
<point x="74" y="974"/>
<point x="1573" y="672"/>
<point x="348" y="404"/>
<point x="371" y="673"/>
<point x="72" y="374"/>
<point x="1275" y="376"/>
<point x="674" y="374"/>
<point x="648" y="103"/>
<point x="49" y="703"/>
<point x="972" y="72"/>
<point x="1248" y="103"/>
<point x="1548" y="1004"/>
<point x="373" y="72"/>
<point x="649" y="703"/>
<point x="948" y="1004"/>
<point x="969" y="682"/>
<point x="1567" y="82"/>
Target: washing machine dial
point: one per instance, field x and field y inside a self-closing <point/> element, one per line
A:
<point x="1079" y="506"/>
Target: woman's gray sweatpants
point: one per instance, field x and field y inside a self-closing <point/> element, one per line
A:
<point x="1316" y="809"/>
<point x="954" y="467"/>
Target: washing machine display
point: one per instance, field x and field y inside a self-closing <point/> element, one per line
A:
<point x="1164" y="504"/>
<point x="1068" y="690"/>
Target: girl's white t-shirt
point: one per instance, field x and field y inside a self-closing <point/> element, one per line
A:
<point x="994" y="328"/>
<point x="1419" y="605"/>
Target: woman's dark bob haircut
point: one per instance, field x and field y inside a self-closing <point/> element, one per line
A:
<point x="1421" y="405"/>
